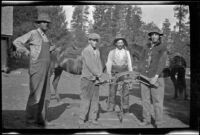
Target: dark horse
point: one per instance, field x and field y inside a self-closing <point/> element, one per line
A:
<point x="176" y="70"/>
<point x="68" y="60"/>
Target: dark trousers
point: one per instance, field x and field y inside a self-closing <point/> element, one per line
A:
<point x="114" y="87"/>
<point x="156" y="96"/>
<point x="125" y="95"/>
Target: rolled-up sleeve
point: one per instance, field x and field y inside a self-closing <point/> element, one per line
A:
<point x="109" y="63"/>
<point x="20" y="42"/>
<point x="130" y="67"/>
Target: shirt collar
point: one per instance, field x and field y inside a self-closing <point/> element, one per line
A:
<point x="40" y="31"/>
<point x="43" y="35"/>
<point x="119" y="50"/>
<point x="90" y="46"/>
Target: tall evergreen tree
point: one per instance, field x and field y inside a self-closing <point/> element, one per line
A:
<point x="21" y="26"/>
<point x="78" y="24"/>
<point x="58" y="32"/>
<point x="180" y="13"/>
<point x="166" y="31"/>
<point x="134" y="23"/>
<point x="103" y="22"/>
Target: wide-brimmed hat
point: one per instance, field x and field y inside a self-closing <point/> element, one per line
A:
<point x="94" y="36"/>
<point x="43" y="17"/>
<point x="155" y="31"/>
<point x="120" y="37"/>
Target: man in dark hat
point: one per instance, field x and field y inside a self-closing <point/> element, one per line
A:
<point x="91" y="73"/>
<point x="152" y="64"/>
<point x="39" y="72"/>
<point x="119" y="60"/>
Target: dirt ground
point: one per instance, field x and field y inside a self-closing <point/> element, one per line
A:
<point x="15" y="91"/>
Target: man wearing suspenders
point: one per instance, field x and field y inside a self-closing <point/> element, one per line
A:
<point x="119" y="60"/>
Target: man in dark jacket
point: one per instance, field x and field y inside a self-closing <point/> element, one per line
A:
<point x="152" y="64"/>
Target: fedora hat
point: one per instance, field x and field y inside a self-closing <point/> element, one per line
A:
<point x="120" y="37"/>
<point x="155" y="31"/>
<point x="43" y="17"/>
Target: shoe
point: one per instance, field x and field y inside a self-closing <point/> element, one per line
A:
<point x="33" y="125"/>
<point x="95" y="122"/>
<point x="158" y="125"/>
<point x="145" y="123"/>
<point x="81" y="122"/>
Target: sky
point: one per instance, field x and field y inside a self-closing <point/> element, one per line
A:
<point x="150" y="13"/>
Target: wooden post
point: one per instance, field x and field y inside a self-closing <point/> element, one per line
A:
<point x="6" y="33"/>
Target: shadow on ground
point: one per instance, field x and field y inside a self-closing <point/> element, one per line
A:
<point x="77" y="97"/>
<point x="136" y="109"/>
<point x="17" y="63"/>
<point x="15" y="119"/>
<point x="72" y="96"/>
<point x="56" y="112"/>
<point x="176" y="108"/>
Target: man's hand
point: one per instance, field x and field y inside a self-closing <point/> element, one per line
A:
<point x="27" y="53"/>
<point x="52" y="48"/>
<point x="21" y="51"/>
<point x="154" y="79"/>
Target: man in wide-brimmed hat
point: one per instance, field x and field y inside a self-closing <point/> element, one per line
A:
<point x="152" y="65"/>
<point x="39" y="72"/>
<point x="119" y="60"/>
<point x="91" y="73"/>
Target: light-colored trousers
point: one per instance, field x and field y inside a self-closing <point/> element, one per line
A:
<point x="89" y="99"/>
<point x="156" y="96"/>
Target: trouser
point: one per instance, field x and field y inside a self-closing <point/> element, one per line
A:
<point x="125" y="94"/>
<point x="39" y="97"/>
<point x="155" y="95"/>
<point x="113" y="88"/>
<point x="89" y="99"/>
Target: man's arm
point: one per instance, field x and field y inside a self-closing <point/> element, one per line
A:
<point x="20" y="42"/>
<point x="161" y="65"/>
<point x="130" y="67"/>
<point x="109" y="63"/>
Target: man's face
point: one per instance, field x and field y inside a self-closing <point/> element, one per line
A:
<point x="93" y="42"/>
<point x="120" y="44"/>
<point x="155" y="37"/>
<point x="44" y="26"/>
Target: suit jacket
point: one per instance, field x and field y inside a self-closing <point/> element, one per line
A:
<point x="92" y="66"/>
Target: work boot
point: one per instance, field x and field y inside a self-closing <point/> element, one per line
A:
<point x="81" y="121"/>
<point x="95" y="122"/>
<point x="145" y="123"/>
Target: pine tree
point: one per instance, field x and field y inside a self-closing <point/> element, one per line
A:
<point x="103" y="23"/>
<point x="134" y="23"/>
<point x="58" y="32"/>
<point x="79" y="24"/>
<point x="166" y="31"/>
<point x="180" y="13"/>
<point x="22" y="26"/>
